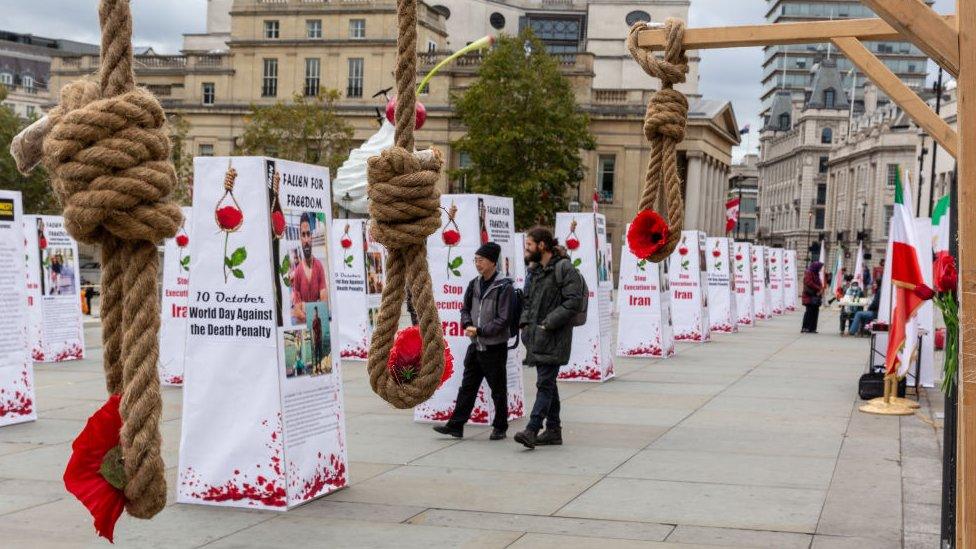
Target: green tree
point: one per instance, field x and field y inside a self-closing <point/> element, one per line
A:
<point x="524" y="130"/>
<point x="38" y="198"/>
<point x="307" y="129"/>
<point x="182" y="156"/>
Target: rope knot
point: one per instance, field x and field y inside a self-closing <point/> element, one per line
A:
<point x="673" y="67"/>
<point x="403" y="198"/>
<point x="110" y="166"/>
<point x="667" y="115"/>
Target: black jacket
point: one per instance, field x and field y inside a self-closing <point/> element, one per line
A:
<point x="489" y="314"/>
<point x="549" y="307"/>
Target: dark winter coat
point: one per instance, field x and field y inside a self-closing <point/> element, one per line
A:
<point x="549" y="307"/>
<point x="488" y="310"/>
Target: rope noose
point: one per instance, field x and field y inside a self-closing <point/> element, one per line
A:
<point x="664" y="127"/>
<point x="108" y="154"/>
<point x="404" y="204"/>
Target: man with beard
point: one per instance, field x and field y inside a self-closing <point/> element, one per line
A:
<point x="553" y="297"/>
<point x="308" y="283"/>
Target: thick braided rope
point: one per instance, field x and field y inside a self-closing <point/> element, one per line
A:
<point x="664" y="127"/>
<point x="108" y="153"/>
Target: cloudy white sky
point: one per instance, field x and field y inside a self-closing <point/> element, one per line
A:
<point x="732" y="74"/>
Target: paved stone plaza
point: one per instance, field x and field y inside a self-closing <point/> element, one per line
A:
<point x="753" y="440"/>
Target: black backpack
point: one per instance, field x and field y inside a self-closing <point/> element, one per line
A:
<point x="515" y="307"/>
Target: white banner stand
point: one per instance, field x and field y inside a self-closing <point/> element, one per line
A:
<point x="774" y="265"/>
<point x="375" y="280"/>
<point x="760" y="283"/>
<point x="16" y="370"/>
<point x="350" y="273"/>
<point x="644" y="307"/>
<point x="55" y="329"/>
<point x="688" y="281"/>
<point x="791" y="297"/>
<point x="263" y="418"/>
<point x="721" y="286"/>
<point x="450" y="253"/>
<point x="744" y="303"/>
<point x="173" y="308"/>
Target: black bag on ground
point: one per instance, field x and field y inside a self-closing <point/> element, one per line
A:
<point x="872" y="386"/>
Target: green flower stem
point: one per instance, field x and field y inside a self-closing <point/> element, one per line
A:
<point x="946" y="302"/>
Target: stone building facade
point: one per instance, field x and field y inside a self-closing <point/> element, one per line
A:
<point x="25" y="62"/>
<point x="744" y="185"/>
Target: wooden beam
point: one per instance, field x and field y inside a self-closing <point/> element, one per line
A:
<point x="901" y="94"/>
<point x="966" y="418"/>
<point x="780" y="33"/>
<point x="920" y="24"/>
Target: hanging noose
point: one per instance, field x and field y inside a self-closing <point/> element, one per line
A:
<point x="404" y="206"/>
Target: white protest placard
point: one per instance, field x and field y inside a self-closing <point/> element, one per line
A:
<point x="375" y="280"/>
<point x="172" y="310"/>
<point x="450" y="252"/>
<point x="350" y="272"/>
<point x="584" y="235"/>
<point x="760" y="283"/>
<point x="774" y="265"/>
<point x="791" y="298"/>
<point x="689" y="297"/>
<point x="721" y="286"/>
<point x="263" y="419"/>
<point x="16" y="369"/>
<point x="55" y="329"/>
<point x="643" y="307"/>
<point x="744" y="302"/>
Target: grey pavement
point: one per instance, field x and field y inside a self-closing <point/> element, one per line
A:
<point x="752" y="440"/>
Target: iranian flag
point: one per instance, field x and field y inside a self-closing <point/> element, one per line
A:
<point x="731" y="214"/>
<point x="906" y="276"/>
<point x="940" y="223"/>
<point x="859" y="265"/>
<point x="838" y="286"/>
<point x="823" y="263"/>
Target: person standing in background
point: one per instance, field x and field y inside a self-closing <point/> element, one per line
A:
<point x="812" y="297"/>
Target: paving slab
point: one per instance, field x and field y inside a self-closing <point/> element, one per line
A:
<point x="550" y="541"/>
<point x="733" y="537"/>
<point x="587" y="528"/>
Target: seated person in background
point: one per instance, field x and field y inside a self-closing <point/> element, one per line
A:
<point x="851" y="296"/>
<point x="861" y="318"/>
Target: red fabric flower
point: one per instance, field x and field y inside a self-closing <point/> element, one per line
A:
<point x="923" y="292"/>
<point x="946" y="276"/>
<point x="451" y="237"/>
<point x="648" y="233"/>
<point x="83" y="475"/>
<point x="404" y="361"/>
<point x="346" y="242"/>
<point x="182" y="240"/>
<point x="42" y="243"/>
<point x="278" y="223"/>
<point x="229" y="218"/>
<point x="572" y="243"/>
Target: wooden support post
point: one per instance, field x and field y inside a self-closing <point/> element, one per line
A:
<point x="901" y="94"/>
<point x="919" y="23"/>
<point x="966" y="420"/>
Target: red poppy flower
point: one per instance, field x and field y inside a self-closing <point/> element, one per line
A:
<point x="772" y="260"/>
<point x="572" y="243"/>
<point x="346" y="242"/>
<point x="946" y="276"/>
<point x="278" y="223"/>
<point x="923" y="292"/>
<point x="738" y="257"/>
<point x="229" y="218"/>
<point x="42" y="243"/>
<point x="716" y="253"/>
<point x="182" y="240"/>
<point x="648" y="233"/>
<point x="682" y="251"/>
<point x="85" y="475"/>
<point x="404" y="361"/>
<point x="451" y="237"/>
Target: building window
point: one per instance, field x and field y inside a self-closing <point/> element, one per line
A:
<point x="829" y="98"/>
<point x="6" y="78"/>
<point x="888" y="212"/>
<point x="784" y="121"/>
<point x="355" y="86"/>
<point x="497" y="21"/>
<point x="431" y="46"/>
<point x="269" y="85"/>
<point x="827" y="135"/>
<point x="209" y="93"/>
<point x="892" y="174"/>
<point x="312" y="72"/>
<point x="606" y="166"/>
<point x="31" y="110"/>
<point x="357" y="28"/>
<point x="271" y="29"/>
<point x="821" y="194"/>
<point x="313" y="28"/>
<point x="206" y="149"/>
<point x="823" y="164"/>
<point x="818" y="219"/>
<point x="28" y="82"/>
<point x="637" y="15"/>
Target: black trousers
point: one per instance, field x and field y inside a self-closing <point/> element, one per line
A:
<point x="810" y="318"/>
<point x="490" y="365"/>
<point x="546" y="399"/>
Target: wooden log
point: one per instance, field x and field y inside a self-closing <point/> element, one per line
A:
<point x="920" y="24"/>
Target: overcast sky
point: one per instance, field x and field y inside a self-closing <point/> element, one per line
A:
<point x="732" y="74"/>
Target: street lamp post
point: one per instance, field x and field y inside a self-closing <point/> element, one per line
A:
<point x="346" y="200"/>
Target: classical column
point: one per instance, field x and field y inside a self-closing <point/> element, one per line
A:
<point x="693" y="187"/>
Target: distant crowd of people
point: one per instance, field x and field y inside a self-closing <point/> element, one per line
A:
<point x="856" y="314"/>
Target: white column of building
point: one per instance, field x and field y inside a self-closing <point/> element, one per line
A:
<point x="706" y="206"/>
<point x="693" y="187"/>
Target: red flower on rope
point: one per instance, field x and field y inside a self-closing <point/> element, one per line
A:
<point x="278" y="223"/>
<point x="647" y="234"/>
<point x="94" y="473"/>
<point x="406" y="355"/>
<point x="229" y="218"/>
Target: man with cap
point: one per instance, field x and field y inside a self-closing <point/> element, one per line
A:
<point x="485" y="318"/>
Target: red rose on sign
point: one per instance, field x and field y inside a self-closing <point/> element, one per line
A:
<point x="738" y="257"/>
<point x="229" y="218"/>
<point x="42" y="243"/>
<point x="772" y="260"/>
<point x="451" y="237"/>
<point x="716" y="253"/>
<point x="278" y="223"/>
<point x="946" y="276"/>
<point x="94" y="472"/>
<point x="648" y="233"/>
<point x="924" y="293"/>
<point x="572" y="243"/>
<point x="346" y="242"/>
<point x="182" y="240"/>
<point x="682" y="251"/>
<point x="406" y="355"/>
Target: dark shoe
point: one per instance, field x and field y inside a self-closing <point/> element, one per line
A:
<point x="445" y="430"/>
<point x="552" y="436"/>
<point x="526" y="438"/>
<point x="497" y="434"/>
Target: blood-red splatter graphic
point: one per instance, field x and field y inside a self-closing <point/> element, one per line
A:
<point x="173" y="380"/>
<point x="724" y="328"/>
<point x="71" y="352"/>
<point x="17" y="401"/>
